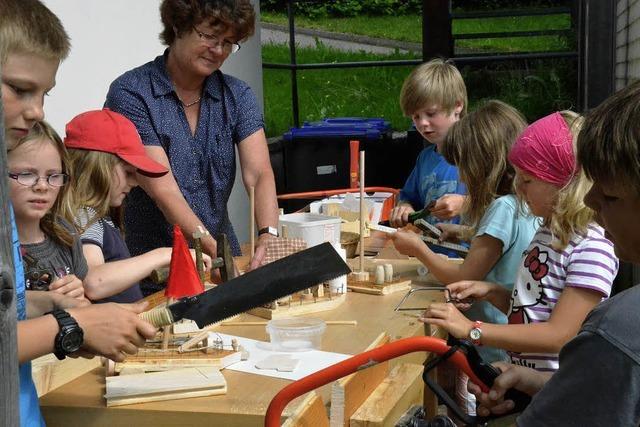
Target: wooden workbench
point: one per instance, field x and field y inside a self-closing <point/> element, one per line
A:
<point x="80" y="402"/>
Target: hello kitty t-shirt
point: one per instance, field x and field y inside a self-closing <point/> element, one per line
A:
<point x="587" y="262"/>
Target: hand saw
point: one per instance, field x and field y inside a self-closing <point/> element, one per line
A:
<point x="273" y="281"/>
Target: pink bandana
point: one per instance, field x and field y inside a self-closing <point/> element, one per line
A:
<point x="545" y="151"/>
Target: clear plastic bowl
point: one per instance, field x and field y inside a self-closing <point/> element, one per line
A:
<point x="296" y="334"/>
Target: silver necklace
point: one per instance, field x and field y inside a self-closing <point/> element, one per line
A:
<point x="191" y="103"/>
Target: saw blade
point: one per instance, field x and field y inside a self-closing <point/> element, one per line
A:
<point x="271" y="282"/>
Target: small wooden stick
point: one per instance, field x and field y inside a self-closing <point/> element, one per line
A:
<point x="261" y="323"/>
<point x="196" y="339"/>
<point x="252" y="221"/>
<point x="166" y="330"/>
<point x="197" y="245"/>
<point x="362" y="211"/>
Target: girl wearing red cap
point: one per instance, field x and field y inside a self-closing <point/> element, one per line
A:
<point x="105" y="153"/>
<point x="568" y="267"/>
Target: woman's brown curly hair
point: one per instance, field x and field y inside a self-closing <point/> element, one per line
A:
<point x="180" y="16"/>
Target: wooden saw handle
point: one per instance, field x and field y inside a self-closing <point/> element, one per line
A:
<point x="158" y="317"/>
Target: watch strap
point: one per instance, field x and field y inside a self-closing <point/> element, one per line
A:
<point x="268" y="230"/>
<point x="66" y="324"/>
<point x="476" y="330"/>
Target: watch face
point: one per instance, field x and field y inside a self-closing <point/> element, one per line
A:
<point x="475" y="334"/>
<point x="72" y="341"/>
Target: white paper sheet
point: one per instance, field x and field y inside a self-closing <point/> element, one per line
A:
<point x="310" y="361"/>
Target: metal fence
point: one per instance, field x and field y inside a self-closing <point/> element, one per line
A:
<point x="592" y="23"/>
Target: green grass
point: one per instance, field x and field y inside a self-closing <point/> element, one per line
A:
<point x="409" y="28"/>
<point x="373" y="92"/>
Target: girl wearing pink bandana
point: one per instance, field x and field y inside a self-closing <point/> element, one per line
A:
<point x="568" y="267"/>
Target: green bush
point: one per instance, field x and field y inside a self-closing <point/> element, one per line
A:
<point x="344" y="8"/>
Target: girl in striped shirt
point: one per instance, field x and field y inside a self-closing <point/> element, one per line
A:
<point x="567" y="269"/>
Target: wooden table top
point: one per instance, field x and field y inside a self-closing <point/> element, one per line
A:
<point x="81" y="402"/>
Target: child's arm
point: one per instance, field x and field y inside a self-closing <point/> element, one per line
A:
<point x="497" y="295"/>
<point x="484" y="252"/>
<point x="110" y="278"/>
<point x="39" y="302"/>
<point x="545" y="337"/>
<point x="69" y="285"/>
<point x="122" y="334"/>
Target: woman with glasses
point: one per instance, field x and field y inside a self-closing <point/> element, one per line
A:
<point x="50" y="248"/>
<point x="191" y="118"/>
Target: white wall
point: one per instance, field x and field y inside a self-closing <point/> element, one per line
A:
<point x="111" y="37"/>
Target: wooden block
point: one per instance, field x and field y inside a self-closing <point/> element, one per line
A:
<point x="50" y="373"/>
<point x="310" y="413"/>
<point x="402" y="389"/>
<point x="299" y="306"/>
<point x="348" y="393"/>
<point x="169" y="385"/>
<point x="384" y="289"/>
<point x="152" y="360"/>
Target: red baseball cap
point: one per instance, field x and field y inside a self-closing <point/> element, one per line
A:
<point x="111" y="132"/>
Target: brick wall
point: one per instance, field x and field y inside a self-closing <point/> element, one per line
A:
<point x="627" y="42"/>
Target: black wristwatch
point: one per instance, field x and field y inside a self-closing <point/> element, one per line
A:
<point x="70" y="338"/>
<point x="268" y="230"/>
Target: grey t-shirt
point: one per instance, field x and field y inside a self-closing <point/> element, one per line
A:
<point x="58" y="259"/>
<point x="598" y="383"/>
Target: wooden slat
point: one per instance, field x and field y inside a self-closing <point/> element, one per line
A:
<point x="310" y="413"/>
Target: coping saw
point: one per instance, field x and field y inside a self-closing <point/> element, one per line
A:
<point x="271" y="282"/>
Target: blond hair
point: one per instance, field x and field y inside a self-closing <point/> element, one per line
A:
<point x="50" y="223"/>
<point x="28" y="26"/>
<point x="570" y="216"/>
<point x="609" y="143"/>
<point x="435" y="82"/>
<point x="478" y="145"/>
<point x="91" y="188"/>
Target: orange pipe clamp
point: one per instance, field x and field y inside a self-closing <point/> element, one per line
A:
<point x="362" y="361"/>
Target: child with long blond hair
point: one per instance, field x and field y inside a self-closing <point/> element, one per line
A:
<point x="38" y="185"/>
<point x="568" y="267"/>
<point x="105" y="152"/>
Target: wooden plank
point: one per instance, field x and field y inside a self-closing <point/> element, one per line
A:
<point x="50" y="373"/>
<point x="348" y="393"/>
<point x="172" y="359"/>
<point x="402" y="389"/>
<point x="168" y="385"/>
<point x="385" y="289"/>
<point x="310" y="413"/>
<point x="300" y="307"/>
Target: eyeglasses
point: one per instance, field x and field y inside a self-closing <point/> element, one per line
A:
<point x="213" y="41"/>
<point x="30" y="179"/>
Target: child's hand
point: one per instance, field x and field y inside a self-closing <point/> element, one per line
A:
<point x="113" y="330"/>
<point x="399" y="216"/>
<point x="68" y="285"/>
<point x="448" y="206"/>
<point x="407" y="243"/>
<point x="450" y="232"/>
<point x="448" y="317"/>
<point x="469" y="290"/>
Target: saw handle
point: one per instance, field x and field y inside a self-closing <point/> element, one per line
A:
<point x="158" y="317"/>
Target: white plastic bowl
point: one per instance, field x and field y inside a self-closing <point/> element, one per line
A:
<point x="296" y="334"/>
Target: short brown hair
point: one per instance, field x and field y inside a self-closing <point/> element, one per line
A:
<point x="180" y="16"/>
<point x="434" y="82"/>
<point x="28" y="26"/>
<point x="609" y="143"/>
<point x="479" y="145"/>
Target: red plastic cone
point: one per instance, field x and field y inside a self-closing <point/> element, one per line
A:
<point x="183" y="275"/>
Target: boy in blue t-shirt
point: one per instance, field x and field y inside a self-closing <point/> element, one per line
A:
<point x="435" y="97"/>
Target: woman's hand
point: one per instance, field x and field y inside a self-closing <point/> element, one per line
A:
<point x="408" y="243"/>
<point x="68" y="285"/>
<point x="260" y="252"/>
<point x="516" y="377"/>
<point x="448" y="317"/>
<point x="399" y="216"/>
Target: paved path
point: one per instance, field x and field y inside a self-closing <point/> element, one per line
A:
<point x="272" y="33"/>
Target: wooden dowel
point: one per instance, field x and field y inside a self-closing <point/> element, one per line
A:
<point x="252" y="221"/>
<point x="261" y="323"/>
<point x="362" y="211"/>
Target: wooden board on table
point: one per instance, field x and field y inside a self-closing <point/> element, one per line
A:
<point x="299" y="306"/>
<point x="168" y="385"/>
<point x="155" y="359"/>
<point x="369" y="287"/>
<point x="348" y="393"/>
<point x="402" y="389"/>
<point x="310" y="413"/>
<point x="50" y="373"/>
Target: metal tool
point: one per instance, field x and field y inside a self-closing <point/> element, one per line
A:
<point x="447" y="298"/>
<point x="273" y="281"/>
